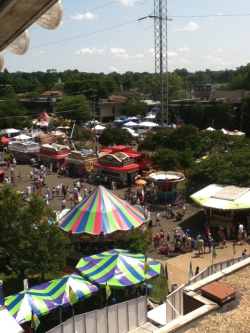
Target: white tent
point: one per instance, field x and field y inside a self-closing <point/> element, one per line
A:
<point x="148" y="124"/>
<point x="210" y="129"/>
<point x="99" y="128"/>
<point x="8" y="323"/>
<point x="134" y="134"/>
<point x="224" y="131"/>
<point x="129" y="129"/>
<point x="22" y="137"/>
<point x="150" y="116"/>
<point x="130" y="123"/>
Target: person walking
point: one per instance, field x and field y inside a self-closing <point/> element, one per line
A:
<point x="63" y="204"/>
<point x="157" y="219"/>
<point x="53" y="192"/>
<point x="58" y="187"/>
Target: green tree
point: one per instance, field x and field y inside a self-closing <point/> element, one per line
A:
<point x="40" y="249"/>
<point x="133" y="106"/>
<point x="185" y="137"/>
<point x="137" y="241"/>
<point x="75" y="108"/>
<point x="165" y="159"/>
<point x="161" y="138"/>
<point x="12" y="114"/>
<point x="186" y="158"/>
<point x="115" y="136"/>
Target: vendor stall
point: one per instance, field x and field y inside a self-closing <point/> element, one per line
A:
<point x="223" y="203"/>
<point x="116" y="167"/>
<point x="166" y="184"/>
<point x="80" y="162"/>
<point x="24" y="151"/>
<point x="53" y="154"/>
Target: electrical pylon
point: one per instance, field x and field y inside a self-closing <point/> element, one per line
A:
<point x="161" y="56"/>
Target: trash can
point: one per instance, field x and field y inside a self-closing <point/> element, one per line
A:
<point x="28" y="190"/>
<point x="174" y="287"/>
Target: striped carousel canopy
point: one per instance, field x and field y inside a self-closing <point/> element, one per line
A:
<point x="101" y="211"/>
<point x="22" y="304"/>
<point x="119" y="268"/>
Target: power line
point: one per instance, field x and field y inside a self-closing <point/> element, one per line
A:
<point x="93" y="9"/>
<point x="215" y="15"/>
<point x="87" y="34"/>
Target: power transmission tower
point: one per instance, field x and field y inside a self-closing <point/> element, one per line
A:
<point x="161" y="57"/>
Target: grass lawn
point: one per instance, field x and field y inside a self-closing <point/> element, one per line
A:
<point x="160" y="287"/>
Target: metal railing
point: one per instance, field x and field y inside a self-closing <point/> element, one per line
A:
<point x="174" y="301"/>
<point x="119" y="318"/>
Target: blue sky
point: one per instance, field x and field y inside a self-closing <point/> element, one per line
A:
<point x="194" y="43"/>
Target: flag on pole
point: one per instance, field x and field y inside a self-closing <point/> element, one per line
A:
<point x="214" y="252"/>
<point x="35" y="322"/>
<point x="234" y="250"/>
<point x="191" y="269"/>
<point x="108" y="291"/>
<point x="146" y="266"/>
<point x="166" y="271"/>
<point x="72" y="296"/>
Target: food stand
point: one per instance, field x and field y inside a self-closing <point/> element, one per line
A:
<point x="53" y="153"/>
<point x="119" y="168"/>
<point x="166" y="184"/>
<point x="224" y="203"/>
<point x="80" y="161"/>
<point x="24" y="151"/>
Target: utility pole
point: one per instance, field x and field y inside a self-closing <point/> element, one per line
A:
<point x="161" y="57"/>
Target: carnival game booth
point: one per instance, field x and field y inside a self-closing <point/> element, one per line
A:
<point x="224" y="203"/>
<point x="117" y="169"/>
<point x="100" y="217"/>
<point x="25" y="151"/>
<point x="81" y="162"/>
<point x="166" y="184"/>
<point x="54" y="154"/>
<point x="141" y="158"/>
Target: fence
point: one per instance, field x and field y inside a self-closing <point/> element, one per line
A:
<point x="174" y="301"/>
<point x="119" y="318"/>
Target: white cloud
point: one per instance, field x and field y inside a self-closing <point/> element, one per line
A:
<point x="113" y="69"/>
<point x="215" y="60"/>
<point x="218" y="13"/>
<point x="93" y="50"/>
<point x="219" y="50"/>
<point x="139" y="56"/>
<point x="41" y="52"/>
<point x="86" y="16"/>
<point x="192" y="26"/>
<point x="128" y="2"/>
<point x="151" y="52"/>
<point x="172" y="55"/>
<point x="184" y="61"/>
<point x="184" y="49"/>
<point x="119" y="53"/>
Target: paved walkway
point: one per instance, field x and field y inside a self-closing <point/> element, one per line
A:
<point x="178" y="267"/>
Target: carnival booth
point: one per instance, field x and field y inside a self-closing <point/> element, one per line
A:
<point x="24" y="151"/>
<point x="223" y="203"/>
<point x="81" y="162"/>
<point x="53" y="154"/>
<point x="117" y="168"/>
<point x="101" y="216"/>
<point x="141" y="158"/>
<point x="166" y="184"/>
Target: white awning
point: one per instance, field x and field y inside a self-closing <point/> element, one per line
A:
<point x="148" y="124"/>
<point x="159" y="314"/>
<point x="8" y="323"/>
